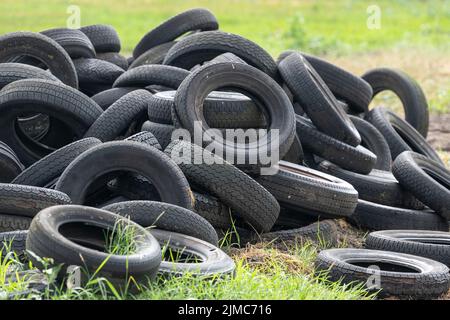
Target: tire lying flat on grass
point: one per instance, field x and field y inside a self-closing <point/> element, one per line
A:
<point x="430" y="244"/>
<point x="400" y="274"/>
<point x="67" y="234"/>
<point x="426" y="179"/>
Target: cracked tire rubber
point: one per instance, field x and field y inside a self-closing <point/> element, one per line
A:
<point x="132" y="156"/>
<point x="417" y="277"/>
<point x="270" y="97"/>
<point x="75" y="42"/>
<point x="26" y="201"/>
<point x="400" y="135"/>
<point x="205" y="46"/>
<point x="357" y="159"/>
<point x="231" y="186"/>
<point x="43" y="48"/>
<point x="103" y="37"/>
<point x="44" y="171"/>
<point x="214" y="262"/>
<point x="120" y="115"/>
<point x="407" y="89"/>
<point x="171" y="29"/>
<point x="154" y="55"/>
<point x="317" y="100"/>
<point x="429" y="244"/>
<point x="167" y="217"/>
<point x="375" y="216"/>
<point x="71" y="107"/>
<point x="221" y="110"/>
<point x="310" y="190"/>
<point x="373" y="140"/>
<point x="378" y="186"/>
<point x="10" y="72"/>
<point x="114" y="58"/>
<point x="149" y="75"/>
<point x="426" y="179"/>
<point x="67" y="234"/>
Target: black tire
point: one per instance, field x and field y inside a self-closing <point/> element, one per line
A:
<point x="75" y="42"/>
<point x="323" y="232"/>
<point x="426" y="179"/>
<point x="205" y="46"/>
<point x="14" y="241"/>
<point x="273" y="103"/>
<point x="162" y="132"/>
<point x="103" y="37"/>
<point x="35" y="283"/>
<point x="129" y="156"/>
<point x="154" y="55"/>
<point x="378" y="186"/>
<point x="375" y="216"/>
<point x="227" y="57"/>
<point x="399" y="274"/>
<point x="234" y="188"/>
<point x="12" y="222"/>
<point x="400" y="135"/>
<point x="310" y="190"/>
<point x="96" y="71"/>
<point x="295" y="153"/>
<point x="187" y="21"/>
<point x="148" y="75"/>
<point x="166" y="216"/>
<point x="356" y="159"/>
<point x="213" y="261"/>
<point x="44" y="171"/>
<point x="114" y="58"/>
<point x="215" y="212"/>
<point x="221" y="110"/>
<point x="428" y="244"/>
<point x="67" y="234"/>
<point x="145" y="137"/>
<point x="10" y="165"/>
<point x="74" y="110"/>
<point x="317" y="100"/>
<point x="10" y="72"/>
<point x="407" y="89"/>
<point x="106" y="98"/>
<point x="27" y="201"/>
<point x="115" y="120"/>
<point x="43" y="48"/>
<point x="373" y="140"/>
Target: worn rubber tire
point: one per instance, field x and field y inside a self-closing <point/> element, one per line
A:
<point x="234" y="188"/>
<point x="145" y="137"/>
<point x="167" y="217"/>
<point x="120" y="115"/>
<point x="205" y="46"/>
<point x="10" y="165"/>
<point x="425" y="279"/>
<point x="373" y="140"/>
<point x="96" y="71"/>
<point x="428" y="244"/>
<point x="10" y="72"/>
<point x="357" y="159"/>
<point x="72" y="108"/>
<point x="407" y="89"/>
<point x="375" y="216"/>
<point x="400" y="135"/>
<point x="44" y="49"/>
<point x="148" y="75"/>
<point x="191" y="20"/>
<point x="106" y="98"/>
<point x="154" y="55"/>
<point x="75" y="42"/>
<point x="27" y="200"/>
<point x="12" y="222"/>
<point x="14" y="241"/>
<point x="310" y="190"/>
<point x="295" y="153"/>
<point x="103" y="37"/>
<point x="215" y="212"/>
<point x="214" y="262"/>
<point x="129" y="156"/>
<point x="114" y="58"/>
<point x="426" y="179"/>
<point x="54" y="233"/>
<point x="378" y="186"/>
<point x="273" y="102"/>
<point x="317" y="100"/>
<point x="44" y="171"/>
<point x="162" y="132"/>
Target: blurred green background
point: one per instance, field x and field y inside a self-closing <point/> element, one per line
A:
<point x="413" y="35"/>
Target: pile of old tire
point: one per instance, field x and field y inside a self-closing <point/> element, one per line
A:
<point x="92" y="139"/>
